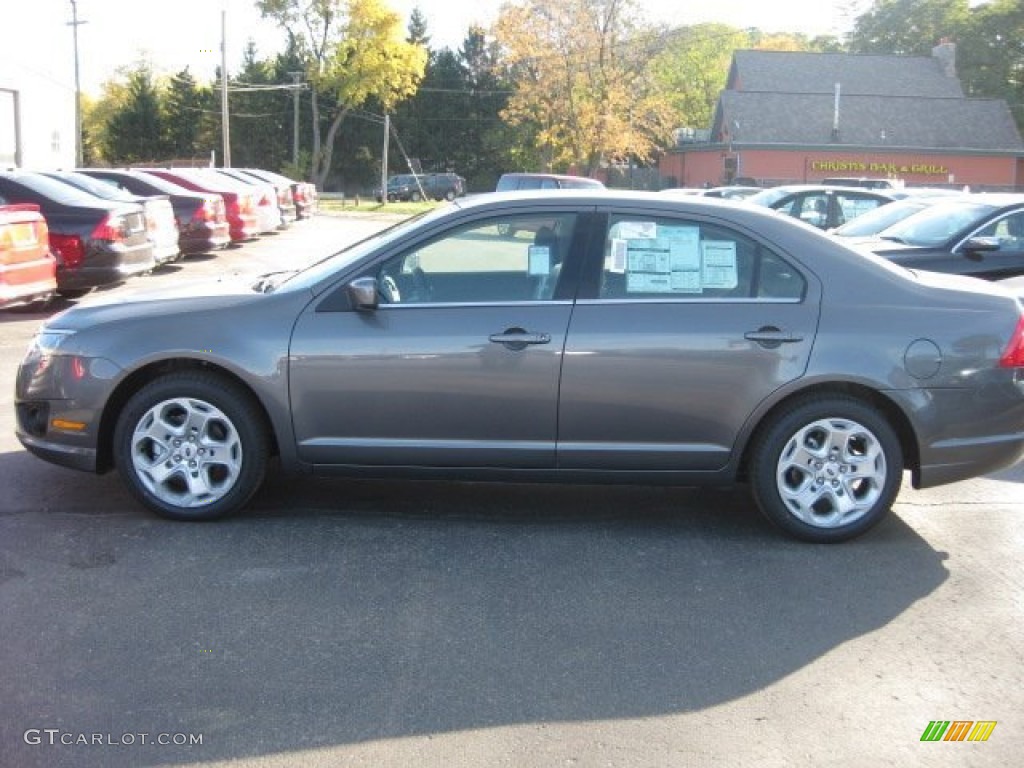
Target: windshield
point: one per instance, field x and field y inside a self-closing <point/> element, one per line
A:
<point x="93" y="186"/>
<point x="308" y="277"/>
<point x="936" y="224"/>
<point x="883" y="217"/>
<point x="58" y="191"/>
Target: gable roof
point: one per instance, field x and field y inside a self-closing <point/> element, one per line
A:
<point x="857" y="74"/>
<point x="785" y="98"/>
<point x="903" y="122"/>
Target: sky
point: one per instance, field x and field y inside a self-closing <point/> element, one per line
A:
<point x="173" y="34"/>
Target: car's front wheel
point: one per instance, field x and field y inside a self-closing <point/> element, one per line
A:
<point x="828" y="469"/>
<point x="191" y="446"/>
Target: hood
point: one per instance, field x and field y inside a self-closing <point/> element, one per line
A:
<point x="140" y="303"/>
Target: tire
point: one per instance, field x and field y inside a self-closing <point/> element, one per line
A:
<point x="72" y="293"/>
<point x="415" y="197"/>
<point x="205" y="475"/>
<point x="827" y="470"/>
<point x="449" y="195"/>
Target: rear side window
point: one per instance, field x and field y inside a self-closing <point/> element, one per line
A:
<point x="657" y="258"/>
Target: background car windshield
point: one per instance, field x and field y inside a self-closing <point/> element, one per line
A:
<point x="880" y="218"/>
<point x="58" y="191"/>
<point x="937" y="224"/>
<point x="99" y="188"/>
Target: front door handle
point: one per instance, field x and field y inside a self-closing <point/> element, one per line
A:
<point x="771" y="337"/>
<point x="517" y="338"/>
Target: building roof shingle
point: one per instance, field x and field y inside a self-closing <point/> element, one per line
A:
<point x="907" y="102"/>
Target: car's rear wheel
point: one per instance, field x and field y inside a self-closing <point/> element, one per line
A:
<point x="449" y="195"/>
<point x="415" y="197"/>
<point x="191" y="446"/>
<point x="827" y="469"/>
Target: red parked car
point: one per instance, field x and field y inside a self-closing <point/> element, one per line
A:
<point x="239" y="203"/>
<point x="304" y="194"/>
<point x="28" y="273"/>
<point x="202" y="221"/>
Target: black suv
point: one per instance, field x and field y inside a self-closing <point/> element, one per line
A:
<point x="513" y="182"/>
<point x="436" y="186"/>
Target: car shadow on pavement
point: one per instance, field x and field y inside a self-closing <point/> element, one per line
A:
<point x="338" y="612"/>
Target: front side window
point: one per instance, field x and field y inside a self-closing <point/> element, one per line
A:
<point x="656" y="258"/>
<point x="1009" y="230"/>
<point x="498" y="260"/>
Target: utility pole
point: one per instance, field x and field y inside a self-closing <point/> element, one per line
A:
<point x="384" y="161"/>
<point x="224" y="118"/>
<point x="74" y="24"/>
<point x="295" y="126"/>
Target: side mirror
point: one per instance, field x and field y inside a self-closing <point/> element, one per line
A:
<point x="981" y="244"/>
<point x="362" y="293"/>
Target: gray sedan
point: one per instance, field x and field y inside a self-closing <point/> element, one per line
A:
<point x="611" y="338"/>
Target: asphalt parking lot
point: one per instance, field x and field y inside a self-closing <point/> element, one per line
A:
<point x="376" y="623"/>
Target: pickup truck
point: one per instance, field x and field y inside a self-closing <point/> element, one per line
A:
<point x="27" y="269"/>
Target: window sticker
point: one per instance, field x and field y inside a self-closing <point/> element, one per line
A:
<point x="661" y="265"/>
<point x="636" y="230"/>
<point x="617" y="252"/>
<point x="668" y="263"/>
<point x="719" y="264"/>
<point x="539" y="260"/>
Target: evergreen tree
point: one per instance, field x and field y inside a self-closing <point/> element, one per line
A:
<point x="135" y="131"/>
<point x="183" y="115"/>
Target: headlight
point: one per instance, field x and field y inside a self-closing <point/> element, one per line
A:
<point x="49" y="340"/>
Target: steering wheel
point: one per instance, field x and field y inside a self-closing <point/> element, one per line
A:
<point x="389" y="289"/>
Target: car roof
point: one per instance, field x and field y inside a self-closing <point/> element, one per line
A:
<point x="792" y="188"/>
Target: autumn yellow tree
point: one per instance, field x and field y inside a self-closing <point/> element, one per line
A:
<point x="582" y="80"/>
<point x="354" y="51"/>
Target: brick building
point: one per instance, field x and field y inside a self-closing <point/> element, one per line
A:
<point x="789" y="117"/>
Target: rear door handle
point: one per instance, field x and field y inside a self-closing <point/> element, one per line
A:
<point x="517" y="338"/>
<point x="771" y="337"/>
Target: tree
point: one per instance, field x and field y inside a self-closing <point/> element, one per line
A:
<point x="353" y="52"/>
<point x="261" y="114"/>
<point x="135" y="130"/>
<point x="96" y="115"/>
<point x="694" y="67"/>
<point x="183" y="115"/>
<point x="418" y="34"/>
<point x="990" y="54"/>
<point x="582" y="83"/>
<point x="989" y="38"/>
<point x="907" y="27"/>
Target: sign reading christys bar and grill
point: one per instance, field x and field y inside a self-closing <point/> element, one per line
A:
<point x="867" y="166"/>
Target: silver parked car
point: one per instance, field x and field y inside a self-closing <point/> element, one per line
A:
<point x="613" y="338"/>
